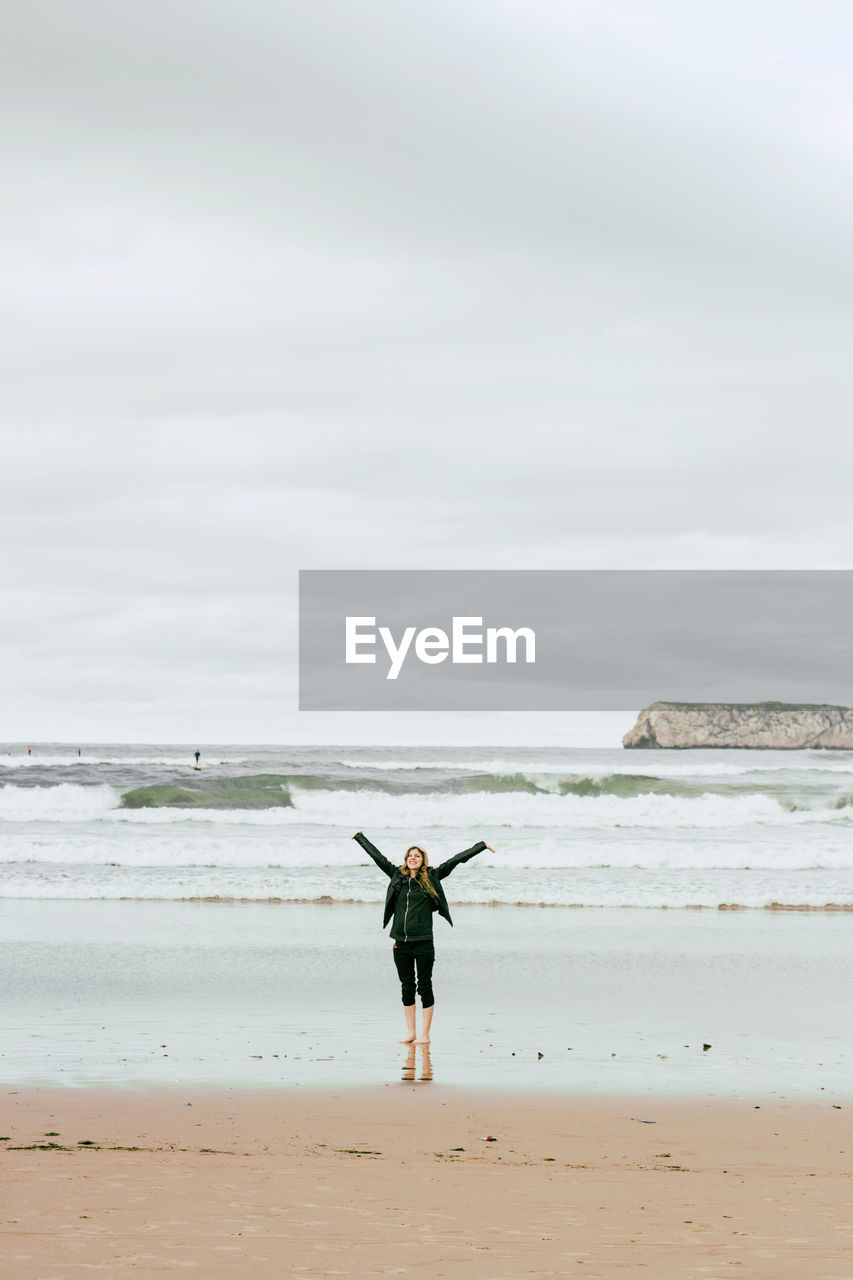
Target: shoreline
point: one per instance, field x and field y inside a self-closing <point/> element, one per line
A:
<point x="325" y="900"/>
<point x="379" y="1181"/>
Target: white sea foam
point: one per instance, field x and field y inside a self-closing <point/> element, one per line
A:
<point x="513" y="809"/>
<point x="65" y="802"/>
<point x="536" y="854"/>
<point x="71" y="802"/>
<point x="590" y="887"/>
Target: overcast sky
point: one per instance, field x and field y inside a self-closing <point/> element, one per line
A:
<point x="386" y="284"/>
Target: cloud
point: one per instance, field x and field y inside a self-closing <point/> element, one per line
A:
<point x="511" y="284"/>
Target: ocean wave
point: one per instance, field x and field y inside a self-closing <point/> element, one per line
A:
<point x="270" y="790"/>
<point x="63" y="802"/>
<point x="255" y="791"/>
<point x="583" y="805"/>
<point x="593" y="887"/>
<point x="520" y="810"/>
<point x="537" y="856"/>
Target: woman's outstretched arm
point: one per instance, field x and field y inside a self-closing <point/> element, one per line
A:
<point x="446" y="867"/>
<point x="379" y="858"/>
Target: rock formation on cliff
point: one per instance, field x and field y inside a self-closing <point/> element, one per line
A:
<point x="768" y="726"/>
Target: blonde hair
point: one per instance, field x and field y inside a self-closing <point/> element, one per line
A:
<point x="421" y="874"/>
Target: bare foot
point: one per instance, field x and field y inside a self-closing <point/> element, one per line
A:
<point x="409" y="1039"/>
<point x="422" y="1040"/>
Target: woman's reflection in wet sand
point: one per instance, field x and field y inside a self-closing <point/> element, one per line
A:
<point x="410" y="1067"/>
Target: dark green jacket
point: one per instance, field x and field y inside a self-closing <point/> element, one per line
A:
<point x="436" y="875"/>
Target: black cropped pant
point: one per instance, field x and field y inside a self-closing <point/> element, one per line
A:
<point x="411" y="957"/>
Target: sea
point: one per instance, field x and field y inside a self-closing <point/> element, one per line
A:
<point x="167" y="925"/>
<point x="570" y="828"/>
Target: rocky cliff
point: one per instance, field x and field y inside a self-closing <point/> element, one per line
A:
<point x="768" y="726"/>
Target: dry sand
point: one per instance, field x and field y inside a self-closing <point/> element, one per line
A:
<point x="396" y="1181"/>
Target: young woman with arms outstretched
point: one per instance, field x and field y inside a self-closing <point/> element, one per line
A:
<point x="414" y="895"/>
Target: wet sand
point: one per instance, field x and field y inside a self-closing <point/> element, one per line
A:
<point x="166" y="994"/>
<point x="397" y="1180"/>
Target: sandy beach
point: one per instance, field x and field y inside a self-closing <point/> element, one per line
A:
<point x="200" y="1070"/>
<point x="398" y="1181"/>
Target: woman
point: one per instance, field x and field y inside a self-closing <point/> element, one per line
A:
<point x="414" y="895"/>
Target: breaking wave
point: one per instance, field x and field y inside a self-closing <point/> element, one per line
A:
<point x="615" y="801"/>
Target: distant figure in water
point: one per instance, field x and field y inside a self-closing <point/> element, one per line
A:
<point x="29" y="751"/>
<point x="414" y="895"/>
<point x="197" y="755"/>
<point x="79" y="752"/>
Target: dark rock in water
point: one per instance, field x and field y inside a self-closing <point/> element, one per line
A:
<point x="768" y="726"/>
